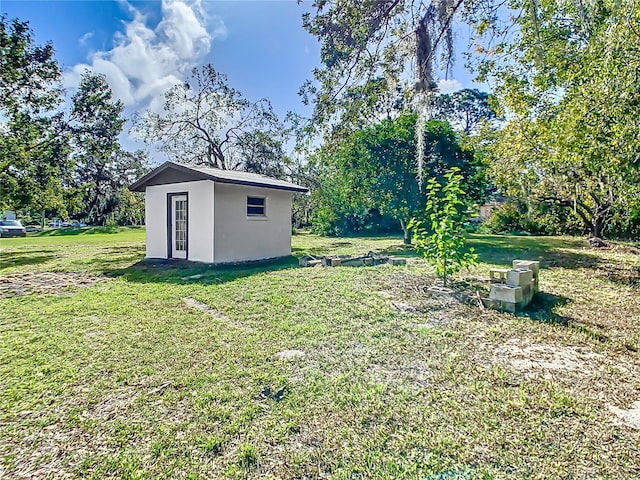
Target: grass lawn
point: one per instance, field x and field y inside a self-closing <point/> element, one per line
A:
<point x="111" y="367"/>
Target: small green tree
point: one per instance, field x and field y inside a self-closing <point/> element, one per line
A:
<point x="440" y="236"/>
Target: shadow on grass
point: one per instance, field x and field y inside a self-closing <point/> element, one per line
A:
<point x="70" y="231"/>
<point x="108" y="259"/>
<point x="543" y="307"/>
<point x="17" y="259"/>
<point x="502" y="250"/>
<point x="183" y="272"/>
<point x="565" y="252"/>
<point x="549" y="251"/>
<point x="560" y="252"/>
<point x="401" y="250"/>
<point x="627" y="277"/>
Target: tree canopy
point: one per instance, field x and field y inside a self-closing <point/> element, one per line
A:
<point x="403" y="42"/>
<point x="375" y="168"/>
<point x="566" y="78"/>
<point x="33" y="150"/>
<point x="572" y="94"/>
<point x="67" y="161"/>
<point x="465" y="109"/>
<point x="205" y="121"/>
<point x="103" y="169"/>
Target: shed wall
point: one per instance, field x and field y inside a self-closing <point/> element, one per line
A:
<point x="239" y="237"/>
<point x="200" y="219"/>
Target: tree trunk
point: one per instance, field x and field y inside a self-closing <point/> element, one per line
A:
<point x="598" y="225"/>
<point x="585" y="213"/>
<point x="406" y="234"/>
<point x="600" y="214"/>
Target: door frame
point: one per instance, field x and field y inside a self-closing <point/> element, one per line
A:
<point x="170" y="223"/>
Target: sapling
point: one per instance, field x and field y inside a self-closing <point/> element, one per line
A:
<point x="439" y="235"/>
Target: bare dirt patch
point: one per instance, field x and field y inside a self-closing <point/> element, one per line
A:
<point x="630" y="417"/>
<point x="117" y="403"/>
<point x="58" y="449"/>
<point x="406" y="308"/>
<point x="409" y="295"/>
<point x="290" y="354"/>
<point x="44" y="282"/>
<point x="538" y="358"/>
<point x="415" y="373"/>
<point x="621" y="248"/>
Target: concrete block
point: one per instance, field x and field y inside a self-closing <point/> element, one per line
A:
<point x="534" y="266"/>
<point x="527" y="293"/>
<point x="304" y="261"/>
<point x="498" y="275"/>
<point x="381" y="259"/>
<point x="369" y="261"/>
<point x="512" y="307"/>
<point x="508" y="306"/>
<point x="352" y="262"/>
<point x="502" y="306"/>
<point x="336" y="262"/>
<point x="520" y="277"/>
<point x="309" y="262"/>
<point x="506" y="293"/>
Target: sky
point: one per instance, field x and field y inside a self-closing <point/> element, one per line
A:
<point x="144" y="48"/>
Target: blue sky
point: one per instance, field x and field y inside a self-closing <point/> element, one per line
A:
<point x="145" y="47"/>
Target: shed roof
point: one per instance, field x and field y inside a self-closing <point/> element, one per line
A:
<point x="172" y="172"/>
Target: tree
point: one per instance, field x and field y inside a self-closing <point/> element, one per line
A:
<point x="565" y="73"/>
<point x="33" y="144"/>
<point x="465" y="109"/>
<point x="28" y="72"/>
<point x="304" y="172"/>
<point x="103" y="168"/>
<point x="403" y="42"/>
<point x="259" y="152"/>
<point x="440" y="234"/>
<point x="572" y="94"/>
<point x="375" y="168"/>
<point x="205" y="121"/>
<point x="131" y="208"/>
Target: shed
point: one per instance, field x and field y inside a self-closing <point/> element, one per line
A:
<point x="215" y="216"/>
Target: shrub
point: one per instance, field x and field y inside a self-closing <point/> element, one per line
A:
<point x="542" y="219"/>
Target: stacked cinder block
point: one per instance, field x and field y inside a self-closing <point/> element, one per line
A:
<point x="512" y="290"/>
<point x="530" y="265"/>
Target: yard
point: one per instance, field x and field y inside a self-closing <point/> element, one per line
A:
<point x="111" y="367"/>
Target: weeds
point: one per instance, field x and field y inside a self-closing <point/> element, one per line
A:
<point x="121" y="378"/>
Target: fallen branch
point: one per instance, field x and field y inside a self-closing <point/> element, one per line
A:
<point x="480" y="302"/>
<point x="160" y="388"/>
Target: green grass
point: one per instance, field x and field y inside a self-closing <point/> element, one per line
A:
<point x="106" y="372"/>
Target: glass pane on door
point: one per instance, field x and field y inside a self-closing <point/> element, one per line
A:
<point x="181" y="225"/>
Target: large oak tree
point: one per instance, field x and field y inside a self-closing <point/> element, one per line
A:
<point x="205" y="121"/>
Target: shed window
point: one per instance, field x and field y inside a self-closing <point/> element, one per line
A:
<point x="256" y="206"/>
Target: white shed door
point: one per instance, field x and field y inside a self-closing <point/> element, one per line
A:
<point x="179" y="226"/>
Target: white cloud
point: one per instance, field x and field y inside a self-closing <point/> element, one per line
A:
<point x="449" y="86"/>
<point x="147" y="60"/>
<point x="83" y="40"/>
